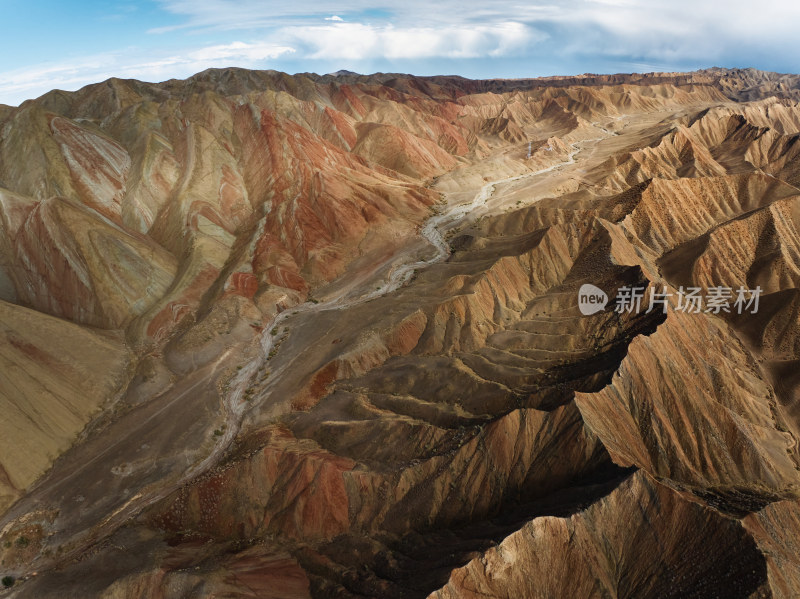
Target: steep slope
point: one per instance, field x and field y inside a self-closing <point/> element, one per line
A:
<point x="55" y="375"/>
<point x="597" y="552"/>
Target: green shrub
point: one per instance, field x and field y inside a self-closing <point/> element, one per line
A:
<point x="8" y="581"/>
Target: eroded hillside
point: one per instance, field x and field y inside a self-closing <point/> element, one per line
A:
<point x="302" y="336"/>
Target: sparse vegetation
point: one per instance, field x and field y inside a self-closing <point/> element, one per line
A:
<point x="8" y="581"/>
<point x="23" y="542"/>
<point x="217" y="432"/>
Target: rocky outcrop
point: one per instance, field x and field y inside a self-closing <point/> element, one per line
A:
<point x="599" y="552"/>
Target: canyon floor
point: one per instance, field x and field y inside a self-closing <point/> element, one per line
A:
<point x="299" y="336"/>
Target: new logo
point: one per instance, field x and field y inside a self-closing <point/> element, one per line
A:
<point x="591" y="299"/>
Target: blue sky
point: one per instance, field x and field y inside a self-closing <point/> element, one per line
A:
<point x="66" y="44"/>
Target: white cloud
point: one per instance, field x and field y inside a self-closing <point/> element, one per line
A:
<point x="237" y="51"/>
<point x="334" y="18"/>
<point x="640" y="29"/>
<point x="357" y="41"/>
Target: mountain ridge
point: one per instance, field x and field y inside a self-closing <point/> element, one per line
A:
<point x="343" y="351"/>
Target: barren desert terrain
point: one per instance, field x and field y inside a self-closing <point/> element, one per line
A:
<point x="273" y="336"/>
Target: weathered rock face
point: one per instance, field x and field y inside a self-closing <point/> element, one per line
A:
<point x="70" y="263"/>
<point x="598" y="552"/>
<point x="723" y="436"/>
<point x="303" y="398"/>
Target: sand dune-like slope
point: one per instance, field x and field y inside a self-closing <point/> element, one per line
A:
<point x="55" y="375"/>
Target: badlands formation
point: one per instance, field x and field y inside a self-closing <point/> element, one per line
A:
<point x="272" y="336"/>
